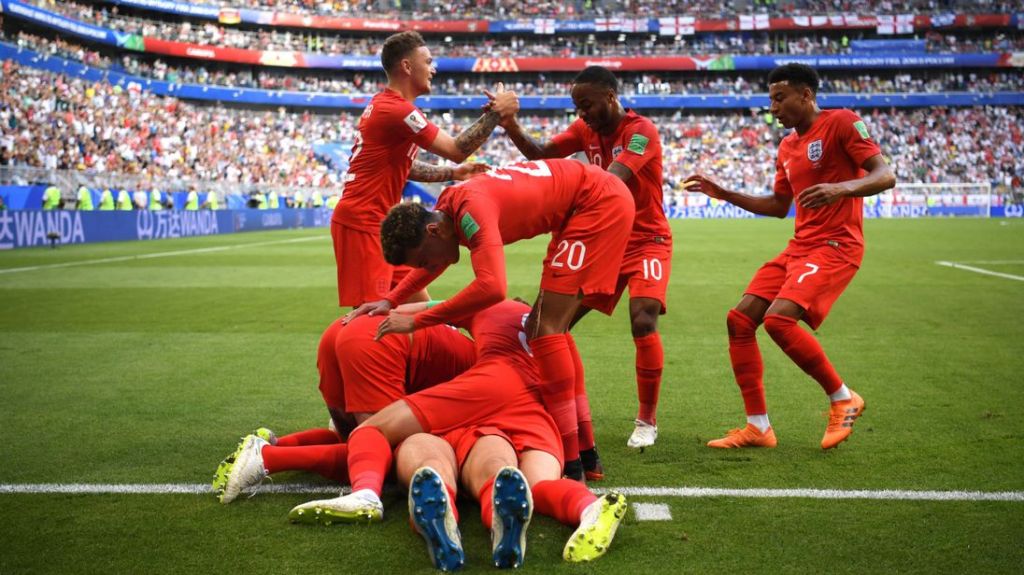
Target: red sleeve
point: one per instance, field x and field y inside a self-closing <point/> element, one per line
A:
<point x="642" y="145"/>
<point x="413" y="282"/>
<point x="479" y="225"/>
<point x="568" y="142"/>
<point x="854" y="138"/>
<point x="413" y="124"/>
<point x="782" y="185"/>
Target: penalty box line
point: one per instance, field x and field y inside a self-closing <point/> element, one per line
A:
<point x="680" y="492"/>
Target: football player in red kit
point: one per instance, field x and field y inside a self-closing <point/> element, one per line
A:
<point x="828" y="164"/>
<point x="358" y="377"/>
<point x="627" y="145"/>
<point x="391" y="132"/>
<point x="589" y="213"/>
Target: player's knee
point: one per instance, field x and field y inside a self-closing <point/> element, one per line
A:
<point x="644" y="324"/>
<point x="778" y="326"/>
<point x="739" y="324"/>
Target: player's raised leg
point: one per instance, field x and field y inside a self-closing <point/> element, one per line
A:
<point x="781" y="322"/>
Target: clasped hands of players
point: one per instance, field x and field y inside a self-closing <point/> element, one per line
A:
<point x="815" y="196"/>
<point x="505" y="104"/>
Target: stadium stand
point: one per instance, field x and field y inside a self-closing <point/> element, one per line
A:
<point x="119" y="126"/>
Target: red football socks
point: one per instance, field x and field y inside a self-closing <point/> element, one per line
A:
<point x="486" y="502"/>
<point x="746" y="361"/>
<point x="326" y="460"/>
<point x="322" y="436"/>
<point x="557" y="388"/>
<point x="451" y="500"/>
<point x="583" y="417"/>
<point x="562" y="499"/>
<point x="805" y="351"/>
<point x="650" y="361"/>
<point x="369" y="459"/>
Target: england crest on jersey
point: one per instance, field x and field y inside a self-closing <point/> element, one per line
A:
<point x="814" y="151"/>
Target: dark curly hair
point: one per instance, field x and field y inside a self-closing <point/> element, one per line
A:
<point x="598" y="75"/>
<point x="796" y="75"/>
<point x="404" y="228"/>
<point x="398" y="46"/>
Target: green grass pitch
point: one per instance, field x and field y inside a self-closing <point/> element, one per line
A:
<point x="147" y="370"/>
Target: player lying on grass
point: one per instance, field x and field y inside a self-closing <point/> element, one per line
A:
<point x="627" y="145"/>
<point x="828" y="163"/>
<point x="589" y="213"/>
<point x="485" y="423"/>
<point x="358" y="377"/>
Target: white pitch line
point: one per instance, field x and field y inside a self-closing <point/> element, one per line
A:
<point x="981" y="271"/>
<point x="888" y="494"/>
<point x="652" y="512"/>
<point x="695" y="492"/>
<point x="155" y="255"/>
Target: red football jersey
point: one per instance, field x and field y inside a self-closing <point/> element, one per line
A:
<point x="832" y="151"/>
<point x="636" y="145"/>
<point x="431" y="356"/>
<point x="391" y="132"/>
<point x="501" y="207"/>
<point x="498" y="333"/>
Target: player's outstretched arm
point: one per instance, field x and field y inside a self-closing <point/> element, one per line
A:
<point x="502" y="104"/>
<point x="878" y="179"/>
<point x="532" y="149"/>
<point x="775" y="205"/>
<point x="424" y="172"/>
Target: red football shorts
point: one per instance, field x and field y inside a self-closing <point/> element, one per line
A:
<point x="646" y="267"/>
<point x="813" y="281"/>
<point x="586" y="255"/>
<point x="363" y="275"/>
<point x="492" y="393"/>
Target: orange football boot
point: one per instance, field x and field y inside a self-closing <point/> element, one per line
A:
<point x="749" y="436"/>
<point x="841" y="418"/>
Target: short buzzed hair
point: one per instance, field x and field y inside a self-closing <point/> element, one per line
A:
<point x="795" y="75"/>
<point x="399" y="46"/>
<point x="598" y="75"/>
<point x="403" y="229"/>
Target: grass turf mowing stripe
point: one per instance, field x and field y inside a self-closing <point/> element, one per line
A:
<point x="980" y="271"/>
<point x="156" y="255"/>
<point x="700" y="492"/>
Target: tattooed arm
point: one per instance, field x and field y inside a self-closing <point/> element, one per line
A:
<point x="502" y="104"/>
<point x="459" y="148"/>
<point x="424" y="172"/>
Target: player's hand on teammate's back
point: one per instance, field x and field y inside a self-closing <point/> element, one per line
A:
<point x="820" y="195"/>
<point x="371" y="308"/>
<point x="705" y="185"/>
<point x="396" y="323"/>
<point x="502" y="102"/>
<point x="468" y="170"/>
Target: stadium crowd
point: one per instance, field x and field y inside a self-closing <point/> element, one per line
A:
<point x="55" y="122"/>
<point x="652" y="83"/>
<point x="510" y="9"/>
<point x="497" y="46"/>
